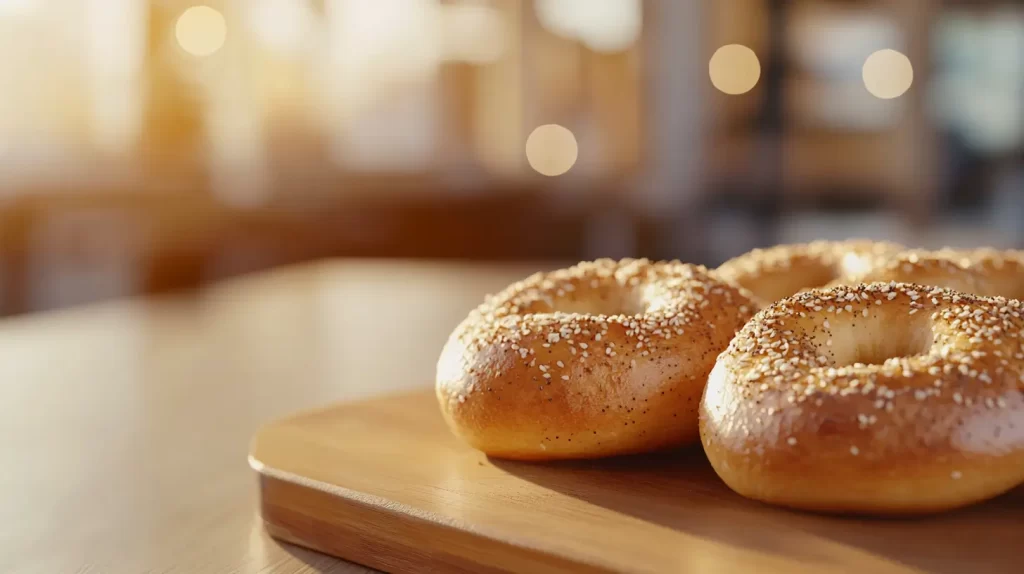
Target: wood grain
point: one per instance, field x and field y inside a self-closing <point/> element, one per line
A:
<point x="124" y="427"/>
<point x="384" y="483"/>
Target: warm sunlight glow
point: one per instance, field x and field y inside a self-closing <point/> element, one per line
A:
<point x="888" y="74"/>
<point x="602" y="25"/>
<point x="201" y="31"/>
<point x="734" y="69"/>
<point x="114" y="51"/>
<point x="17" y="6"/>
<point x="282" y="25"/>
<point x="473" y="33"/>
<point x="382" y="40"/>
<point x="551" y="150"/>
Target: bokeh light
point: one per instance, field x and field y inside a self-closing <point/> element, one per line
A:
<point x="201" y="31"/>
<point x="551" y="150"/>
<point x="734" y="69"/>
<point x="888" y="74"/>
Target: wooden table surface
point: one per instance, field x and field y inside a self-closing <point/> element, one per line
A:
<point x="125" y="426"/>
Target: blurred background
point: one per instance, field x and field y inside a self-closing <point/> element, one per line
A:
<point x="149" y="146"/>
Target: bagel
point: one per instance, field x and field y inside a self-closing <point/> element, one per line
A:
<point x="872" y="399"/>
<point x="1003" y="270"/>
<point x="932" y="269"/>
<point x="600" y="359"/>
<point x="777" y="272"/>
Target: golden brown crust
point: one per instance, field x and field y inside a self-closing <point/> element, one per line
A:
<point x="928" y="268"/>
<point x="600" y="359"/>
<point x="777" y="272"/>
<point x="806" y="408"/>
<point x="1003" y="270"/>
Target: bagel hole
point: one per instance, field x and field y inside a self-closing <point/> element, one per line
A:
<point x="874" y="340"/>
<point x="786" y="284"/>
<point x="813" y="276"/>
<point x="615" y="301"/>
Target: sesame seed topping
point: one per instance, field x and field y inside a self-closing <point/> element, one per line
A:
<point x="779" y="352"/>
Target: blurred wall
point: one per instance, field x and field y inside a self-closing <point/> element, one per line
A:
<point x="147" y="146"/>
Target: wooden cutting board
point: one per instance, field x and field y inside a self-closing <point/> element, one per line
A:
<point x="384" y="484"/>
